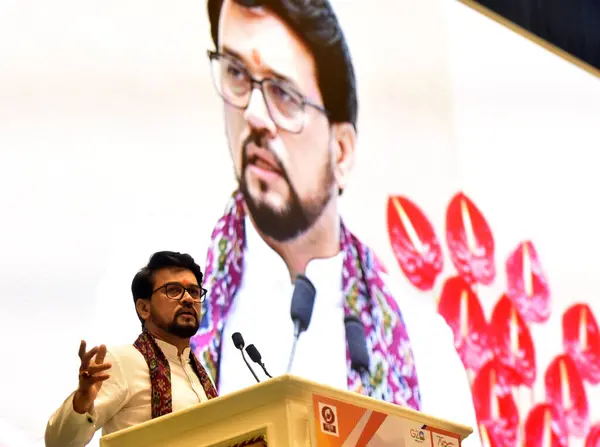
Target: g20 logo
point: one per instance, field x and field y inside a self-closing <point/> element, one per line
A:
<point x="418" y="435"/>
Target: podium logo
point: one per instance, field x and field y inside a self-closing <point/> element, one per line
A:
<point x="442" y="441"/>
<point x="328" y="418"/>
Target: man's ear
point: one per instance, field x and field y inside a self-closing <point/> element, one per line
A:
<point x="344" y="138"/>
<point x="142" y="306"/>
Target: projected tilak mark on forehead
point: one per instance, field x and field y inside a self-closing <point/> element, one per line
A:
<point x="255" y="55"/>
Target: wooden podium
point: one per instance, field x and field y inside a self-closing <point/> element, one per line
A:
<point x="289" y="411"/>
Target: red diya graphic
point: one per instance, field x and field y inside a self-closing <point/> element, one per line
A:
<point x="414" y="242"/>
<point x="581" y="339"/>
<point x="544" y="427"/>
<point x="565" y="391"/>
<point x="527" y="286"/>
<point x="470" y="241"/>
<point x="512" y="344"/>
<point x="593" y="437"/>
<point x="495" y="406"/>
<point x="487" y="438"/>
<point x="459" y="305"/>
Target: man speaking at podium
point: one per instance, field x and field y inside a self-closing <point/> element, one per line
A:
<point x="154" y="376"/>
<point x="284" y="72"/>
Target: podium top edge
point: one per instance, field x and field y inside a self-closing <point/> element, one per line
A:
<point x="293" y="388"/>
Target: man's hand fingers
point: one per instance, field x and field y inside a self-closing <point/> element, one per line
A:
<point x="90" y="376"/>
<point x="99" y="378"/>
<point x="87" y="357"/>
<point x="82" y="349"/>
<point x="90" y="372"/>
<point x="93" y="369"/>
<point x="100" y="355"/>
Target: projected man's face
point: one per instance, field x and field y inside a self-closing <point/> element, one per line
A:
<point x="283" y="151"/>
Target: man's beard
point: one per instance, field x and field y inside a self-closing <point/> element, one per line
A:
<point x="297" y="216"/>
<point x="182" y="331"/>
<point x="176" y="329"/>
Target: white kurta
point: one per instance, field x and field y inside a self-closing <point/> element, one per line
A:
<point x="124" y="399"/>
<point x="261" y="313"/>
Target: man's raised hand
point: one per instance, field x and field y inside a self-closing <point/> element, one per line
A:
<point x="92" y="372"/>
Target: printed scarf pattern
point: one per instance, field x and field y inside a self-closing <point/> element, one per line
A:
<point x="160" y="375"/>
<point x="393" y="374"/>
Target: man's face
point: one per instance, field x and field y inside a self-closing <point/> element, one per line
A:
<point x="287" y="178"/>
<point x="177" y="317"/>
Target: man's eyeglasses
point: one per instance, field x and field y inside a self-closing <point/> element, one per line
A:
<point x="287" y="107"/>
<point x="175" y="291"/>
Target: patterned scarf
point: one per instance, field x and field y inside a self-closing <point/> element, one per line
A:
<point x="392" y="371"/>
<point x="160" y="374"/>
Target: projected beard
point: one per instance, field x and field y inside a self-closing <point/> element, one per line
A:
<point x="175" y="328"/>
<point x="298" y="215"/>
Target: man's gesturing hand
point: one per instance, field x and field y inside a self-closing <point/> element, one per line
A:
<point x="91" y="375"/>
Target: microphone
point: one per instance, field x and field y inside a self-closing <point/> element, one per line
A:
<point x="303" y="301"/>
<point x="359" y="353"/>
<point x="257" y="358"/>
<point x="238" y="341"/>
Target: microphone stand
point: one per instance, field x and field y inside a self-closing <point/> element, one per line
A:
<point x="366" y="381"/>
<point x="262" y="365"/>
<point x="293" y="353"/>
<point x="248" y="365"/>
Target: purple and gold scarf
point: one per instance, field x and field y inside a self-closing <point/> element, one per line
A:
<point x="160" y="375"/>
<point x="393" y="374"/>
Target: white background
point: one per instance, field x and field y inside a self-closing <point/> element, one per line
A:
<point x="528" y="149"/>
<point x="108" y="122"/>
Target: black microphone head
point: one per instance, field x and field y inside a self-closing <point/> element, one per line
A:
<point x="253" y="354"/>
<point x="303" y="301"/>
<point x="357" y="344"/>
<point x="238" y="340"/>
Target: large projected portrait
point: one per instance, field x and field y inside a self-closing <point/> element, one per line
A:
<point x="286" y="78"/>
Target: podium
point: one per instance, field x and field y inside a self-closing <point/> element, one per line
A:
<point x="289" y="411"/>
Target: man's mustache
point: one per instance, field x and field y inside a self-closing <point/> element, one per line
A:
<point x="259" y="139"/>
<point x="186" y="311"/>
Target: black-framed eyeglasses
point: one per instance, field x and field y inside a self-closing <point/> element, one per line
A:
<point x="233" y="81"/>
<point x="175" y="291"/>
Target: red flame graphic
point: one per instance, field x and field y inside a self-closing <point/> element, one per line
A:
<point x="565" y="390"/>
<point x="470" y="241"/>
<point x="593" y="437"/>
<point x="581" y="339"/>
<point x="512" y="344"/>
<point x="495" y="405"/>
<point x="527" y="286"/>
<point x="414" y="242"/>
<point x="461" y="308"/>
<point x="544" y="427"/>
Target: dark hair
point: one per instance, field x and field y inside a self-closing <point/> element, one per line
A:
<point x="317" y="25"/>
<point x="143" y="282"/>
